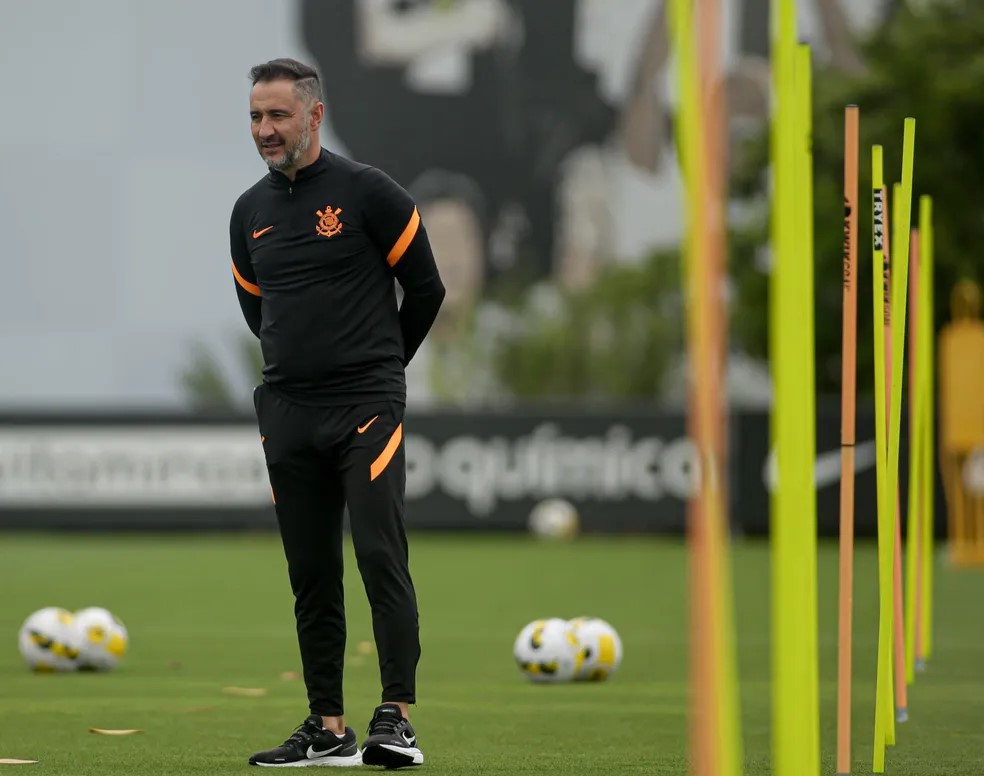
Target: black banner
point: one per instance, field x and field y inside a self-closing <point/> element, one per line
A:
<point x="623" y="472"/>
<point x="755" y="470"/>
<point x="484" y="470"/>
<point x="627" y="471"/>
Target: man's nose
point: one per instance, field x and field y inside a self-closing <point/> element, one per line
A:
<point x="265" y="129"/>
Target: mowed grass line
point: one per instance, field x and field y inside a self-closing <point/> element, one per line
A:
<point x="211" y="611"/>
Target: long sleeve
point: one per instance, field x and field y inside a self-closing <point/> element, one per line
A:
<point x="247" y="289"/>
<point x="400" y="234"/>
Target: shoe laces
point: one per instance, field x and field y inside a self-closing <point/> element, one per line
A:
<point x="303" y="733"/>
<point x="385" y="722"/>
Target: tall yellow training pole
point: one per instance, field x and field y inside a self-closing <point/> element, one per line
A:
<point x="927" y="464"/>
<point x="901" y="230"/>
<point x="793" y="516"/>
<point x="883" y="682"/>
<point x="703" y="748"/>
<point x="913" y="534"/>
<point x="807" y="392"/>
<point x="898" y="637"/>
<point x="884" y="721"/>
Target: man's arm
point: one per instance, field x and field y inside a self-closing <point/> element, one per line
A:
<point x="396" y="228"/>
<point x="242" y="270"/>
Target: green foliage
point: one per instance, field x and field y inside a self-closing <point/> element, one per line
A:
<point x="928" y="64"/>
<point x="206" y="385"/>
<point x="251" y="357"/>
<point x="613" y="339"/>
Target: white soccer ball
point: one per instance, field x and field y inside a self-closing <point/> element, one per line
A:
<point x="601" y="648"/>
<point x="554" y="518"/>
<point x="547" y="651"/>
<point x="49" y="641"/>
<point x="103" y="638"/>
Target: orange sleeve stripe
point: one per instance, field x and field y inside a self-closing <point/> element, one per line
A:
<point x="405" y="239"/>
<point x="251" y="287"/>
<point x="380" y="464"/>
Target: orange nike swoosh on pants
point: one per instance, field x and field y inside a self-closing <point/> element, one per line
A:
<point x="362" y="429"/>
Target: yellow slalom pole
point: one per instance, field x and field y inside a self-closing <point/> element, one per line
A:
<point x="913" y="534"/>
<point x="807" y="393"/>
<point x="924" y="650"/>
<point x="703" y="757"/>
<point x="895" y="309"/>
<point x="898" y="635"/>
<point x="786" y="752"/>
<point x="883" y="682"/>
<point x="791" y="356"/>
<point x="901" y="226"/>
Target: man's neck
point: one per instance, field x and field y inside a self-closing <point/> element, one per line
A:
<point x="310" y="158"/>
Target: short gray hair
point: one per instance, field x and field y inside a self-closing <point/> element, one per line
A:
<point x="307" y="85"/>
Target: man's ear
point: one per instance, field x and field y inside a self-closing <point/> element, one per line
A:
<point x="317" y="115"/>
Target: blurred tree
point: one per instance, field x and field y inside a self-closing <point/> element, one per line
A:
<point x="460" y="351"/>
<point x="615" y="338"/>
<point x="927" y="61"/>
<point x="206" y="385"/>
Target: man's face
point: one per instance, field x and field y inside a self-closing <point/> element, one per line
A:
<point x="281" y="123"/>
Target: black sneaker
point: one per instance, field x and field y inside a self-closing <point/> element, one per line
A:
<point x="391" y="740"/>
<point x="311" y="744"/>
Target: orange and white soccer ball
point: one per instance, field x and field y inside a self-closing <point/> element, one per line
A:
<point x="601" y="648"/>
<point x="49" y="641"/>
<point x="103" y="639"/>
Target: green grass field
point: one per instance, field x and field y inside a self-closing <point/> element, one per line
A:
<point x="206" y="612"/>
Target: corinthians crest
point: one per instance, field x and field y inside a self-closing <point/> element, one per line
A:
<point x="328" y="224"/>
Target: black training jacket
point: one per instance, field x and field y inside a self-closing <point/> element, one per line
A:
<point x="314" y="262"/>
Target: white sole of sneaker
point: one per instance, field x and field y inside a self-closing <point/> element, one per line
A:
<point x="320" y="762"/>
<point x="392" y="756"/>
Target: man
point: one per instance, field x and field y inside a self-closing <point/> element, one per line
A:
<point x="316" y="245"/>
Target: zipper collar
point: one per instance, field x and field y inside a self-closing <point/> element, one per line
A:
<point x="313" y="170"/>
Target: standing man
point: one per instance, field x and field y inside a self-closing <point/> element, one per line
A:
<point x="316" y="246"/>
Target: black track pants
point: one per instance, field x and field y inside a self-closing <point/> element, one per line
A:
<point x="319" y="460"/>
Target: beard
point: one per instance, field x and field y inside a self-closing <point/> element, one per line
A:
<point x="291" y="157"/>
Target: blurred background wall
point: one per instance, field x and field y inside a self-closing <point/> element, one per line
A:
<point x="535" y="134"/>
<point x="537" y="138"/>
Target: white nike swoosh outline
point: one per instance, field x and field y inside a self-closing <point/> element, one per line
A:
<point x="313" y="754"/>
<point x="826" y="467"/>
